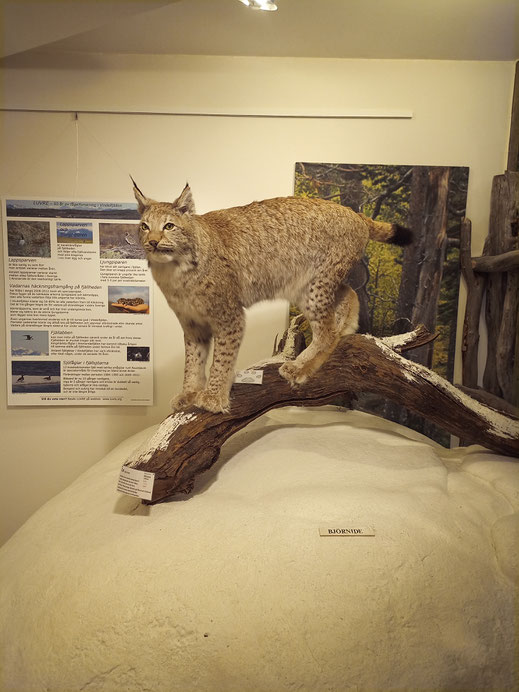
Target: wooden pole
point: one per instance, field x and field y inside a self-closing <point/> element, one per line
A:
<point x="502" y="289"/>
<point x="513" y="144"/>
<point x="475" y="289"/>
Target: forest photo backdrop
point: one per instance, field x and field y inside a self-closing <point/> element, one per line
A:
<point x="399" y="288"/>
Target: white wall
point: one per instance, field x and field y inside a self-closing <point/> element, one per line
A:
<point x="461" y="115"/>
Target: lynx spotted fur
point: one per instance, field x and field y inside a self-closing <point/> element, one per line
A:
<point x="212" y="266"/>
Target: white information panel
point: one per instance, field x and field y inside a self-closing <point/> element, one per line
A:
<point x="78" y="304"/>
<point x="136" y="483"/>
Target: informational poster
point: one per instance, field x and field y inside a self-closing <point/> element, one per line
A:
<point x="78" y="304"/>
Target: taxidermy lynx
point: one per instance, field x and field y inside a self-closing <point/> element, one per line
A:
<point x="212" y="266"/>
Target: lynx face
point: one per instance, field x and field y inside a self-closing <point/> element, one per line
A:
<point x="163" y="236"/>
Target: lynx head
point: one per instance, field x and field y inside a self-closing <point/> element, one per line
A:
<point x="164" y="229"/>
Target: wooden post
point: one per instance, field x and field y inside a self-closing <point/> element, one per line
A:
<point x="513" y="145"/>
<point x="502" y="289"/>
<point x="475" y="288"/>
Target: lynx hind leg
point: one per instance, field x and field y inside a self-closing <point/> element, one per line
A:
<point x="347" y="311"/>
<point x="331" y="314"/>
<point x="325" y="338"/>
<point x="319" y="306"/>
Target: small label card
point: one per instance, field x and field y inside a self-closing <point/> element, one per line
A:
<point x="249" y="377"/>
<point x="346" y="531"/>
<point x="136" y="483"/>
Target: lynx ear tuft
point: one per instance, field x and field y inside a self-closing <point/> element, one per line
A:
<point x="142" y="200"/>
<point x="185" y="203"/>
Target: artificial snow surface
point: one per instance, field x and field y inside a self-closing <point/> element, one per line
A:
<point x="233" y="590"/>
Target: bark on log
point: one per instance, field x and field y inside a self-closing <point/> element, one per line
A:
<point x="189" y="442"/>
<point x="491" y="400"/>
<point x="501" y="300"/>
<point x="506" y="367"/>
<point x="507" y="261"/>
<point x="513" y="144"/>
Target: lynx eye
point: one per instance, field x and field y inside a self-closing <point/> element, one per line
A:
<point x="169" y="226"/>
<point x="144" y="227"/>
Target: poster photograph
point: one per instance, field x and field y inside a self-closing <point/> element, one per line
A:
<point x="399" y="288"/>
<point x="78" y="304"/>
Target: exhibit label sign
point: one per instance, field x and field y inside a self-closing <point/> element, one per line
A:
<point x="346" y="531"/>
<point x="249" y="376"/>
<point x="136" y="483"/>
<point x="78" y="304"/>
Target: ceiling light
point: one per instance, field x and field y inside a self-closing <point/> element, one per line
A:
<point x="260" y="4"/>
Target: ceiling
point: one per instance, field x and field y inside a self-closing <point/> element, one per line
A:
<point x="398" y="29"/>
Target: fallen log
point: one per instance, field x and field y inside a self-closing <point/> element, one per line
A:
<point x="188" y="443"/>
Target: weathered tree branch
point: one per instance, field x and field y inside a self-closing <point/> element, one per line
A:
<point x="189" y="442"/>
<point x="507" y="261"/>
<point x="495" y="402"/>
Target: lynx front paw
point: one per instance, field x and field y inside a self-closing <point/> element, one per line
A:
<point x="216" y="403"/>
<point x="182" y="401"/>
<point x="293" y="373"/>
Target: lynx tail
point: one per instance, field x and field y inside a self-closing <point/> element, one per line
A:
<point x="388" y="232"/>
